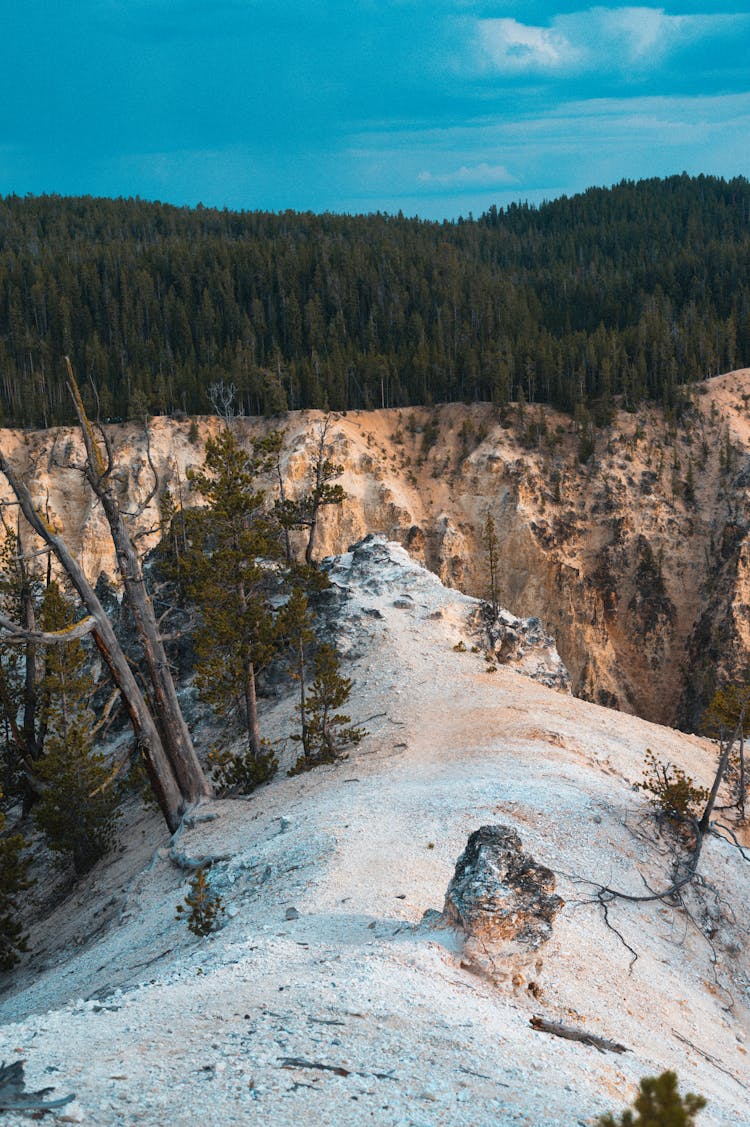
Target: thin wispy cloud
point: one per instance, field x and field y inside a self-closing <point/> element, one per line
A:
<point x="482" y="175"/>
<point x="564" y="148"/>
<point x="591" y="39"/>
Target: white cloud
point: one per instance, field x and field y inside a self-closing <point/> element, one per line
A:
<point x="481" y="175"/>
<point x="511" y="47"/>
<point x="586" y="40"/>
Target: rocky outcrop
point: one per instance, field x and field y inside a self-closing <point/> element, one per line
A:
<point x="376" y="575"/>
<point x="524" y="644"/>
<point x="502" y="901"/>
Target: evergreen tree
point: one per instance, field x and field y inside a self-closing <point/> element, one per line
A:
<point x="77" y="808"/>
<point x="490" y="543"/>
<point x="21" y="673"/>
<point x="13" y="881"/>
<point x="163" y="737"/>
<point x="202" y="907"/>
<point x="296" y="628"/>
<point x="286" y="513"/>
<point x="326" y="733"/>
<point x="658" y="1104"/>
<point x="626" y="288"/>
<point x="227" y="577"/>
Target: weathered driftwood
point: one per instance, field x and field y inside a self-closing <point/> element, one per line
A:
<point x="557" y="1029"/>
<point x="336" y="1069"/>
<point x="13" y="1094"/>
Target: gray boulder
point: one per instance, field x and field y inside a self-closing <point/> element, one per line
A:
<point x="502" y="900"/>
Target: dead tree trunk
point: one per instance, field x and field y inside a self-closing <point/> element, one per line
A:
<point x="161" y="775"/>
<point x="323" y="492"/>
<point x="175" y="736"/>
<point x="705" y="821"/>
<point x="254" y="745"/>
<point x="316" y="492"/>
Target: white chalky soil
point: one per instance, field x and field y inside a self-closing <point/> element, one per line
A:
<point x="350" y="1014"/>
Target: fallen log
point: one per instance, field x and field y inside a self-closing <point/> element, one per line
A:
<point x="557" y="1029"/>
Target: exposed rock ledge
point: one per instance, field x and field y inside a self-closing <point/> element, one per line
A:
<point x="377" y="574"/>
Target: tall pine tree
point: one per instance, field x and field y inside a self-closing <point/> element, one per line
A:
<point x="231" y="540"/>
<point x="21" y="674"/>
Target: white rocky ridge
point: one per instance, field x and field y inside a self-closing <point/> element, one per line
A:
<point x="381" y="569"/>
<point x="324" y="996"/>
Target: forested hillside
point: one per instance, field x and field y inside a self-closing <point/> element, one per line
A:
<point x="625" y="291"/>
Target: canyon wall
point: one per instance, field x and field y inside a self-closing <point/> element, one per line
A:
<point x="636" y="560"/>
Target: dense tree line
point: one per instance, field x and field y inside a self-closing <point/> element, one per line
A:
<point x="626" y="291"/>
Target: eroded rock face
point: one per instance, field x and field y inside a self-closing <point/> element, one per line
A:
<point x="643" y="583"/>
<point x="501" y="898"/>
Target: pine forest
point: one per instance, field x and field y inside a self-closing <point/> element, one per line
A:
<point x="626" y="292"/>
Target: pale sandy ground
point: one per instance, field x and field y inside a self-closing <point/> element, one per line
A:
<point x="149" y="1025"/>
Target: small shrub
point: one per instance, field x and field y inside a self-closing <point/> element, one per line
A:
<point x="325" y="732"/>
<point x="241" y="773"/>
<point x="460" y="648"/>
<point x="671" y="791"/>
<point x="658" y="1104"/>
<point x="202" y="907"/>
<point x="430" y="435"/>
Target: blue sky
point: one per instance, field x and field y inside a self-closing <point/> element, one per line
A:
<point x="437" y="109"/>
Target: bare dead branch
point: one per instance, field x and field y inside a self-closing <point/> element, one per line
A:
<point x="141" y="508"/>
<point x="13" y="1094"/>
<point x="221" y="397"/>
<point x="108" y="448"/>
<point x="711" y="1059"/>
<point x="605" y="909"/>
<point x="191" y="864"/>
<point x="17" y="635"/>
<point x="114" y="773"/>
<point x="182" y="773"/>
<point x="107" y="711"/>
<point x="299" y="1062"/>
<point x="141" y="535"/>
<point x="557" y="1029"/>
<point x="734" y="840"/>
